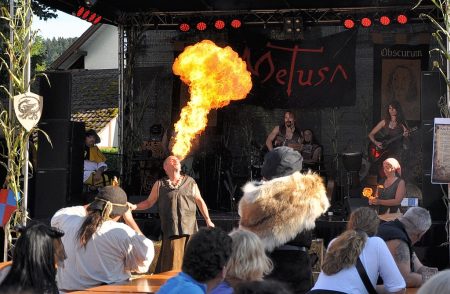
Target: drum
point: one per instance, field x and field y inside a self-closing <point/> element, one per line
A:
<point x="352" y="161"/>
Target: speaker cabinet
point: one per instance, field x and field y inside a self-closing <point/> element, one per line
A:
<point x="433" y="87"/>
<point x="57" y="95"/>
<point x="50" y="194"/>
<point x="59" y="173"/>
<point x="432" y="198"/>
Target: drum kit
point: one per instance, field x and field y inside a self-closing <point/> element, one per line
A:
<point x="257" y="153"/>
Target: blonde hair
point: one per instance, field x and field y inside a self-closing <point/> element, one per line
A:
<point x="248" y="261"/>
<point x="346" y="248"/>
<point x="364" y="219"/>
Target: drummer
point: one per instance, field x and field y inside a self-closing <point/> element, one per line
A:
<point x="311" y="150"/>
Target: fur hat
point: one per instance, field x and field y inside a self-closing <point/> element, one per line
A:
<point x="280" y="162"/>
<point x="279" y="209"/>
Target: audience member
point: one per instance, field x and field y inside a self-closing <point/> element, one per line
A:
<point x="281" y="211"/>
<point x="439" y="283"/>
<point x="262" y="287"/>
<point x="400" y="235"/>
<point x="248" y="262"/>
<point x="359" y="247"/>
<point x="37" y="253"/>
<point x="204" y="262"/>
<point x="100" y="249"/>
<point x="177" y="197"/>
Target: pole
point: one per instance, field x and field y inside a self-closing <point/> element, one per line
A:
<point x="11" y="118"/>
<point x="448" y="108"/>
<point x="27" y="70"/>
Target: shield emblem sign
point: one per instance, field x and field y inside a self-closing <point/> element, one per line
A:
<point x="28" y="108"/>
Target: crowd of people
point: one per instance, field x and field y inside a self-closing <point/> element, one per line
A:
<point x="100" y="243"/>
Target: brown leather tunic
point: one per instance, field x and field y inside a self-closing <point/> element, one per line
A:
<point x="177" y="208"/>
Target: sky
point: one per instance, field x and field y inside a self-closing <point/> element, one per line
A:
<point x="65" y="25"/>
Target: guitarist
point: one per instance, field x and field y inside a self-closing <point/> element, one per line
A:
<point x="286" y="134"/>
<point x="391" y="126"/>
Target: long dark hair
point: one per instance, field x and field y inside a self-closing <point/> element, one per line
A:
<point x="92" y="222"/>
<point x="400" y="116"/>
<point x="36" y="253"/>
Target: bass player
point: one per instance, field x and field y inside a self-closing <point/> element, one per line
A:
<point x="393" y="125"/>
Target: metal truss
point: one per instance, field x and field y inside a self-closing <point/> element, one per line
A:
<point x="320" y="16"/>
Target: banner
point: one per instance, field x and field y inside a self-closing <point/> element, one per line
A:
<point x="397" y="77"/>
<point x="440" y="171"/>
<point x="298" y="74"/>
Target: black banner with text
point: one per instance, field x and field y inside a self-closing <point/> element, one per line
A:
<point x="300" y="74"/>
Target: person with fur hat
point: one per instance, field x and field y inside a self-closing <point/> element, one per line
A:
<point x="393" y="189"/>
<point x="282" y="210"/>
<point x="101" y="250"/>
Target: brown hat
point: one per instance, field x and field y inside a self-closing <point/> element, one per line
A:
<point x="92" y="132"/>
<point x="111" y="200"/>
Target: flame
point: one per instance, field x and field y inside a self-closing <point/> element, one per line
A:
<point x="215" y="77"/>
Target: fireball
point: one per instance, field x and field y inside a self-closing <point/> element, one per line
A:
<point x="215" y="76"/>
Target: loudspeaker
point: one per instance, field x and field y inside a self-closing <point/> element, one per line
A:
<point x="50" y="193"/>
<point x="433" y="86"/>
<point x="432" y="198"/>
<point x="66" y="147"/>
<point x="59" y="173"/>
<point x="57" y="95"/>
<point x="426" y="132"/>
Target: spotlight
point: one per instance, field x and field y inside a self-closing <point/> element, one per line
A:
<point x="184" y="27"/>
<point x="201" y="26"/>
<point x="288" y="24"/>
<point x="86" y="14"/>
<point x="80" y="11"/>
<point x="402" y="19"/>
<point x="385" y="20"/>
<point x="92" y="17"/>
<point x="236" y="23"/>
<point x="349" y="23"/>
<point x="97" y="19"/>
<point x="366" y="22"/>
<point x="219" y="24"/>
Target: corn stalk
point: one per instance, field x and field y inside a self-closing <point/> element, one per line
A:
<point x="15" y="61"/>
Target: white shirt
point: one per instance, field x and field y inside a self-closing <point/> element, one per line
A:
<point x="90" y="167"/>
<point x="376" y="258"/>
<point x="112" y="252"/>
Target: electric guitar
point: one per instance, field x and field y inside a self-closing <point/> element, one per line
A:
<point x="375" y="152"/>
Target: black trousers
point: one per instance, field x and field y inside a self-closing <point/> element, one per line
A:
<point x="292" y="267"/>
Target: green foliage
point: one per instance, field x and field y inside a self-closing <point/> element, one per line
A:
<point x="55" y="47"/>
<point x="14" y="61"/>
<point x="109" y="150"/>
<point x="442" y="36"/>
